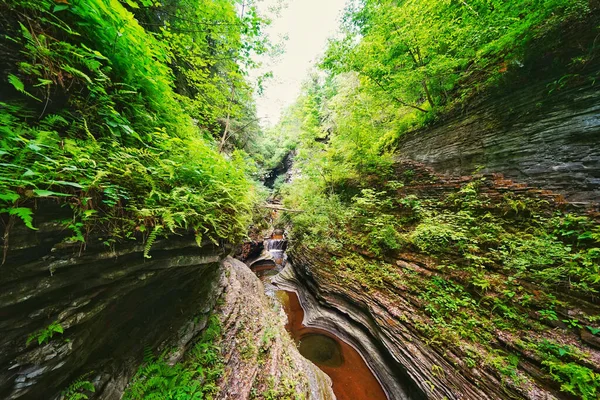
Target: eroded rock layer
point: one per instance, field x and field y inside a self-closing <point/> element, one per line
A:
<point x="352" y="323"/>
<point x="106" y="305"/>
<point x="260" y="356"/>
<point x="532" y="134"/>
<point x="453" y="327"/>
<point x="72" y="314"/>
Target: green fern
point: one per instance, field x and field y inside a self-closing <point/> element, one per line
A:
<point x="44" y="335"/>
<point x="151" y="239"/>
<point x="195" y="378"/>
<point x="24" y="213"/>
<point x="19" y="86"/>
<point x="123" y="151"/>
<point x="77" y="390"/>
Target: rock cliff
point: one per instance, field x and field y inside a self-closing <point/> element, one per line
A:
<point x="69" y="312"/>
<point x="539" y="125"/>
<point x="511" y="161"/>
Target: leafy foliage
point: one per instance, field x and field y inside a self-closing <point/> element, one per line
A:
<point x="44" y="335"/>
<point x="79" y="389"/>
<point x="420" y="54"/>
<point x="195" y="378"/>
<point x="96" y="121"/>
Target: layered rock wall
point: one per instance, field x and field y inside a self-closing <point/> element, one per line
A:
<point x="383" y="326"/>
<point x="351" y="321"/>
<point x="550" y="141"/>
<point x="260" y="356"/>
<point x="114" y="306"/>
<point x="111" y="303"/>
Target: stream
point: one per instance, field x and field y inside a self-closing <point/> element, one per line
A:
<point x="352" y="379"/>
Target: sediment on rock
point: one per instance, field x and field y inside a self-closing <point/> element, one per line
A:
<point x="260" y="356"/>
<point x="352" y="324"/>
<point x="107" y="304"/>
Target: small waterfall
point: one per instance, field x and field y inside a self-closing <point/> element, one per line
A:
<point x="277" y="251"/>
<point x="271" y="261"/>
<point x="275" y="246"/>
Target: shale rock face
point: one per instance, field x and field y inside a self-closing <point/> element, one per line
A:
<point x="111" y="304"/>
<point x="351" y="321"/>
<point x="407" y="363"/>
<point x="542" y="140"/>
<point x="261" y="357"/>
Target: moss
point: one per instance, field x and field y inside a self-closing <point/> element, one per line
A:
<point x="496" y="263"/>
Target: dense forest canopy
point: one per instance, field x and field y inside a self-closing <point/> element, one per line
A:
<point x="115" y="110"/>
<point x="419" y="51"/>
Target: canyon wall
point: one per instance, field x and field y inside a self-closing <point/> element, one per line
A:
<point x="534" y="140"/>
<point x="544" y="140"/>
<point x="110" y="301"/>
<point x="110" y="306"/>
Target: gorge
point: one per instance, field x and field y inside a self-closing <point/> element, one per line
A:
<point x="421" y="223"/>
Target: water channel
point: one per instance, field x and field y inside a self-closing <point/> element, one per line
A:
<point x="352" y="379"/>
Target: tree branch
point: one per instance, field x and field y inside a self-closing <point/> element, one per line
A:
<point x="398" y="100"/>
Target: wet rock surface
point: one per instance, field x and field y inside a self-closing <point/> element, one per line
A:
<point x="353" y="325"/>
<point x="110" y="303"/>
<point x="540" y="139"/>
<point x="113" y="306"/>
<point x="259" y="354"/>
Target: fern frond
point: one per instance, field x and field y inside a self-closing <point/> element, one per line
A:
<point x="151" y="239"/>
<point x="24" y="213"/>
<point x="20" y="86"/>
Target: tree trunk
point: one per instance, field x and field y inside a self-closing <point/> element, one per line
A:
<point x="424" y="83"/>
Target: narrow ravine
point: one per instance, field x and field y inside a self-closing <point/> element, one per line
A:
<point x="352" y="379"/>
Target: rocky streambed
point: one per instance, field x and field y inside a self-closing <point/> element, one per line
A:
<point x="112" y="310"/>
<point x="332" y="338"/>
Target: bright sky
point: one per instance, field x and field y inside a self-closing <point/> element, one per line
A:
<point x="307" y="24"/>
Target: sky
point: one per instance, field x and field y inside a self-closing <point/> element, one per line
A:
<point x="307" y="25"/>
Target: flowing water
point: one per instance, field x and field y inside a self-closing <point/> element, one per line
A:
<point x="352" y="379"/>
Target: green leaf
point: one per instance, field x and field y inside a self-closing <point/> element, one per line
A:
<point x="132" y="4"/>
<point x="48" y="193"/>
<point x="16" y="82"/>
<point x="585" y="235"/>
<point x="562" y="352"/>
<point x="60" y="7"/>
<point x="88" y="213"/>
<point x="19" y="86"/>
<point x="595" y="331"/>
<point x="57" y="328"/>
<point x="43" y="82"/>
<point x="65" y="183"/>
<point x="26" y="215"/>
<point x="9" y="197"/>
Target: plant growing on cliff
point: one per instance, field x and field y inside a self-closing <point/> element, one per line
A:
<point x="92" y="117"/>
<point x="45" y="335"/>
<point x="194" y="378"/>
<point x="79" y="389"/>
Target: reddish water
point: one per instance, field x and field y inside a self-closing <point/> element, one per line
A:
<point x="352" y="379"/>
